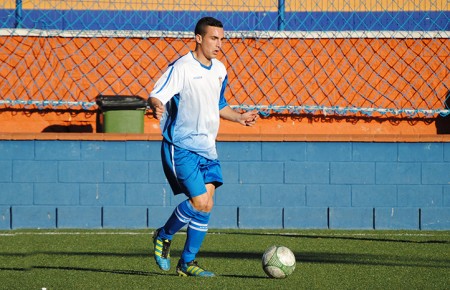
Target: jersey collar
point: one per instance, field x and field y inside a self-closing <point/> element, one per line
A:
<point x="203" y="66"/>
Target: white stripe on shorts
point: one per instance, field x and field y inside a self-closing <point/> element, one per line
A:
<point x="172" y="155"/>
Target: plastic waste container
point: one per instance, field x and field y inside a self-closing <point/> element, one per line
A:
<point x="121" y="114"/>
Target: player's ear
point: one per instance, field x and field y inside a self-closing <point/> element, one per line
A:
<point x="198" y="38"/>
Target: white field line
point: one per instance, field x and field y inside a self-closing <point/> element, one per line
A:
<point x="62" y="233"/>
<point x="299" y="234"/>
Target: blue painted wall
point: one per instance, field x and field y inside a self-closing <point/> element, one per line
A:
<point x="233" y="21"/>
<point x="120" y="184"/>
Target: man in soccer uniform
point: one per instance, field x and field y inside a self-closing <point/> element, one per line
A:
<point x="189" y="101"/>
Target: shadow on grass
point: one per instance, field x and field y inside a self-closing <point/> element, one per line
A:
<point x="343" y="237"/>
<point x="124" y="272"/>
<point x="14" y="269"/>
<point x="243" y="276"/>
<point x="364" y="259"/>
<point x="388" y="258"/>
<point x="111" y="271"/>
<point x="344" y="258"/>
<point x="302" y="257"/>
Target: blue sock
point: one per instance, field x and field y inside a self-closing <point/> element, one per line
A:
<point x="196" y="232"/>
<point x="179" y="218"/>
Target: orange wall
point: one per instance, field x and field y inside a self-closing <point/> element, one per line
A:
<point x="260" y="72"/>
<point x="274" y="128"/>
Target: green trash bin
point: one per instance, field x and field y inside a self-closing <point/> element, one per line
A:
<point x="121" y="114"/>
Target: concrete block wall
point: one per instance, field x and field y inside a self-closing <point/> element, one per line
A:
<point x="271" y="185"/>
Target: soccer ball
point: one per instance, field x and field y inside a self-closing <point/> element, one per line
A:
<point x="278" y="262"/>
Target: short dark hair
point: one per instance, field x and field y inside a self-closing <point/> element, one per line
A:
<point x="200" y="28"/>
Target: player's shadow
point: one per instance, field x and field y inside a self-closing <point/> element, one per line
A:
<point x="144" y="255"/>
<point x="126" y="272"/>
<point x="111" y="271"/>
<point x="16" y="269"/>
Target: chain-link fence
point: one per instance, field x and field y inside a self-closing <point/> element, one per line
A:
<point x="372" y="57"/>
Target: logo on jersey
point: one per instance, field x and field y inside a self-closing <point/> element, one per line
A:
<point x="220" y="81"/>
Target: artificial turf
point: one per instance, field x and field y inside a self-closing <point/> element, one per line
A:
<point x="326" y="259"/>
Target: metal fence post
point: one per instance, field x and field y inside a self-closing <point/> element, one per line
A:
<point x="18" y="14"/>
<point x="281" y="16"/>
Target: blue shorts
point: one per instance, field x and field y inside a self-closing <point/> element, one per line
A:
<point x="188" y="172"/>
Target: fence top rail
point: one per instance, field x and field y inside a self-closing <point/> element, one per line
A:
<point x="230" y="34"/>
<point x="262" y="109"/>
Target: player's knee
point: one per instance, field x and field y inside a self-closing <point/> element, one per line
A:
<point x="209" y="206"/>
<point x="203" y="203"/>
<point x="203" y="206"/>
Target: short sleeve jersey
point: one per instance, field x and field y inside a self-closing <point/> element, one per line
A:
<point x="193" y="95"/>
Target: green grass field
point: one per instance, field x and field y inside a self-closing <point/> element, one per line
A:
<point x="121" y="259"/>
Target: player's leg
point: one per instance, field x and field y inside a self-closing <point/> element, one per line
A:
<point x="198" y="226"/>
<point x="184" y="213"/>
<point x="196" y="232"/>
<point x="182" y="170"/>
<point x="163" y="236"/>
<point x="181" y="215"/>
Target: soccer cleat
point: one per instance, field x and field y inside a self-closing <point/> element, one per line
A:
<point x="192" y="269"/>
<point x="162" y="251"/>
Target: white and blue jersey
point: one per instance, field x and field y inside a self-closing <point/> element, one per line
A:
<point x="193" y="95"/>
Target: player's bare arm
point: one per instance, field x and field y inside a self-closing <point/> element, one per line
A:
<point x="246" y="118"/>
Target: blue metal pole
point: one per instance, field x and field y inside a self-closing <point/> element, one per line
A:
<point x="18" y="14"/>
<point x="281" y="17"/>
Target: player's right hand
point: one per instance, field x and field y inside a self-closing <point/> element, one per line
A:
<point x="157" y="107"/>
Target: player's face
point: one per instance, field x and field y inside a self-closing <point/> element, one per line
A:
<point x="211" y="42"/>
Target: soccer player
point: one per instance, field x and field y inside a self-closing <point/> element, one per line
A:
<point x="189" y="101"/>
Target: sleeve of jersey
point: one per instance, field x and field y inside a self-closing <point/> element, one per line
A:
<point x="168" y="85"/>
<point x="222" y="101"/>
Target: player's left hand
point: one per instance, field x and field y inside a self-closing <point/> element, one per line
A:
<point x="249" y="118"/>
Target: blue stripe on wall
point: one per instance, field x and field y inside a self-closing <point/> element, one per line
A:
<point x="233" y="21"/>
